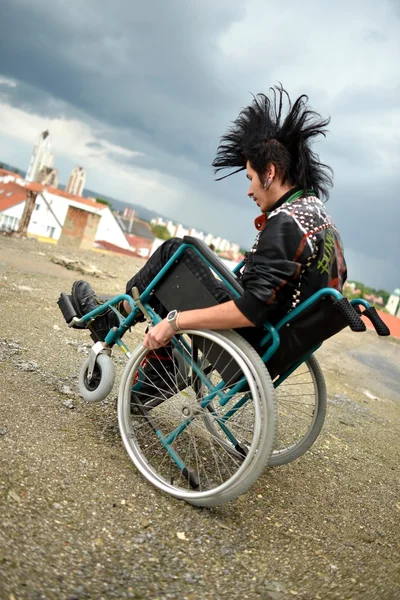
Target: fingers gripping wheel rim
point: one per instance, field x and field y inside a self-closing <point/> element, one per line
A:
<point x="169" y="442"/>
<point x="102" y="381"/>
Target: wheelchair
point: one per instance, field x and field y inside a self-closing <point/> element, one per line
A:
<point x="226" y="408"/>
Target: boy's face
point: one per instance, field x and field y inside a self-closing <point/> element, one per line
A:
<point x="256" y="189"/>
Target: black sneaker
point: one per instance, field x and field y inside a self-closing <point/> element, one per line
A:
<point x="160" y="376"/>
<point x="84" y="300"/>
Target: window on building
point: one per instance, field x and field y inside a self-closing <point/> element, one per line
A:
<point x="37" y="206"/>
<point x="9" y="223"/>
<point x="51" y="231"/>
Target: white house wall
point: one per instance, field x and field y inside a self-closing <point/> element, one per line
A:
<point x="393" y="304"/>
<point x="109" y="230"/>
<point x="15" y="212"/>
<point x="43" y="222"/>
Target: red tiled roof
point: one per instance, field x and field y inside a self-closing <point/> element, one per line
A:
<point x="80" y="199"/>
<point x="4" y="172"/>
<point x="18" y="195"/>
<point x="134" y="240"/>
<point x="117" y="249"/>
<point x="34" y="186"/>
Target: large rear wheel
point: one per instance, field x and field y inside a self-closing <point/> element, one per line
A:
<point x="205" y="434"/>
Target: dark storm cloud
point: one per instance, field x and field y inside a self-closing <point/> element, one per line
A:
<point x="150" y="81"/>
<point x="152" y="77"/>
<point x="121" y="64"/>
<point x="32" y="99"/>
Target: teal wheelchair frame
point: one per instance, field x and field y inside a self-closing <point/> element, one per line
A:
<point x="214" y="433"/>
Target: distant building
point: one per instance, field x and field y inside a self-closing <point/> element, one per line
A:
<point x="141" y="238"/>
<point x="224" y="246"/>
<point x="129" y="213"/>
<point x="126" y="220"/>
<point x="56" y="216"/>
<point x="209" y="239"/>
<point x="137" y="232"/>
<point x="196" y="234"/>
<point x="76" y="182"/>
<point x="393" y="304"/>
<point x="41" y="157"/>
<point x="181" y="231"/>
<point x="217" y="242"/>
<point x="351" y="288"/>
<point x="159" y="221"/>
<point x="48" y="176"/>
<point x="171" y="228"/>
<point x="374" y="299"/>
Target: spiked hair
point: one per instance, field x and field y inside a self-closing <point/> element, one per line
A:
<point x="262" y="134"/>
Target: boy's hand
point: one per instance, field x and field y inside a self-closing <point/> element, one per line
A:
<point x="159" y="335"/>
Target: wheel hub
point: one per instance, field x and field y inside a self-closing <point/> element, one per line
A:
<point x="190" y="411"/>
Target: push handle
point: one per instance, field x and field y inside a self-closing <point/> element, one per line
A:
<point x="380" y="327"/>
<point x="352" y="317"/>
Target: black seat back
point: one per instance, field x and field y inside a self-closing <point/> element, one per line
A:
<point x="216" y="262"/>
<point x="180" y="289"/>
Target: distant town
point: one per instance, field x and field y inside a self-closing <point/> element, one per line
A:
<point x="35" y="205"/>
<point x="41" y="185"/>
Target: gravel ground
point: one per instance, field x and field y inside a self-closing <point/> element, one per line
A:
<point x="79" y="522"/>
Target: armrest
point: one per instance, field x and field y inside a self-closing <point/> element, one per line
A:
<point x="216" y="263"/>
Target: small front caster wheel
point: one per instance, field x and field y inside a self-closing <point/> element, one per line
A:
<point x="102" y="381"/>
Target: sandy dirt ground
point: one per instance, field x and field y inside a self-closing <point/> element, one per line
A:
<point x="79" y="522"/>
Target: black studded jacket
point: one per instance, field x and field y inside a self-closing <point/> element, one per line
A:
<point x="297" y="251"/>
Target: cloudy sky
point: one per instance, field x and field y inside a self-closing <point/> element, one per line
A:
<point x="139" y="94"/>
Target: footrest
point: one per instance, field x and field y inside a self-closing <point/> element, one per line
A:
<point x="68" y="310"/>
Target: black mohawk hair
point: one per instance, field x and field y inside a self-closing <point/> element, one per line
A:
<point x="263" y="134"/>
